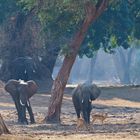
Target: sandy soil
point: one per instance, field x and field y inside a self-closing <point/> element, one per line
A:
<point x="121" y="103"/>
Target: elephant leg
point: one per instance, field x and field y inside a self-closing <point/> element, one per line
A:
<point x="23" y="113"/>
<point x="88" y="112"/>
<point x="85" y="116"/>
<point x="19" y="111"/>
<point x="86" y="109"/>
<point x="18" y="108"/>
<point x="77" y="106"/>
<point x="78" y="113"/>
<point x="29" y="108"/>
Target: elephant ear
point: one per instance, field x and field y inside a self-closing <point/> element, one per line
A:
<point x="32" y="88"/>
<point x="11" y="86"/>
<point x="95" y="92"/>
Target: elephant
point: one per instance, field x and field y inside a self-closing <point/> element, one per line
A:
<point x="82" y="97"/>
<point x="23" y="68"/>
<point x="21" y="92"/>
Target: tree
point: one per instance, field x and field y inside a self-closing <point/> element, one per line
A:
<point x="110" y="32"/>
<point x="20" y="32"/>
<point x="54" y="109"/>
<point x="126" y="39"/>
<point x="135" y="65"/>
<point x="123" y="60"/>
<point x="92" y="64"/>
<point x="61" y="19"/>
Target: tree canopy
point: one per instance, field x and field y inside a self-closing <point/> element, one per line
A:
<point x="62" y="18"/>
<point x="117" y="26"/>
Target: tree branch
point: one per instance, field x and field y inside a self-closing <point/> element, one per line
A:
<point x="101" y="6"/>
<point x="90" y="9"/>
<point x="99" y="3"/>
<point x="93" y="11"/>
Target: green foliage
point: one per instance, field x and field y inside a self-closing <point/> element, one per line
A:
<point x="62" y="18"/>
<point x="65" y="50"/>
<point x="113" y="29"/>
<point x="59" y="18"/>
<point x="27" y="4"/>
<point x="113" y="41"/>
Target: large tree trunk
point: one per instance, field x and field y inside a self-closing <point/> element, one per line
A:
<point x="3" y="128"/>
<point x="54" y="109"/>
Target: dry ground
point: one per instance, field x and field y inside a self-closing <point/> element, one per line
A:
<point x="121" y="103"/>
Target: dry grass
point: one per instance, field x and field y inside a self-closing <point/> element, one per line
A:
<point x="121" y="104"/>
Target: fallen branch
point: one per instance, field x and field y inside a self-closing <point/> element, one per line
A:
<point x="3" y="127"/>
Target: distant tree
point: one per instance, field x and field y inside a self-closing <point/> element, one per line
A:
<point x="117" y="27"/>
<point x="124" y="58"/>
<point x="21" y="35"/>
<point x="135" y="65"/>
<point x="123" y="62"/>
<point x="91" y="68"/>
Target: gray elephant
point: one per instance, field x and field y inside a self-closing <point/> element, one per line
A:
<point x="23" y="68"/>
<point x="82" y="97"/>
<point x="21" y="92"/>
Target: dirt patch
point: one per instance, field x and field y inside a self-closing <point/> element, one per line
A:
<point x="121" y="104"/>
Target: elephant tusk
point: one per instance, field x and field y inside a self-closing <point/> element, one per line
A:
<point x="25" y="71"/>
<point x="28" y="103"/>
<point x="22" y="103"/>
<point x="90" y="100"/>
